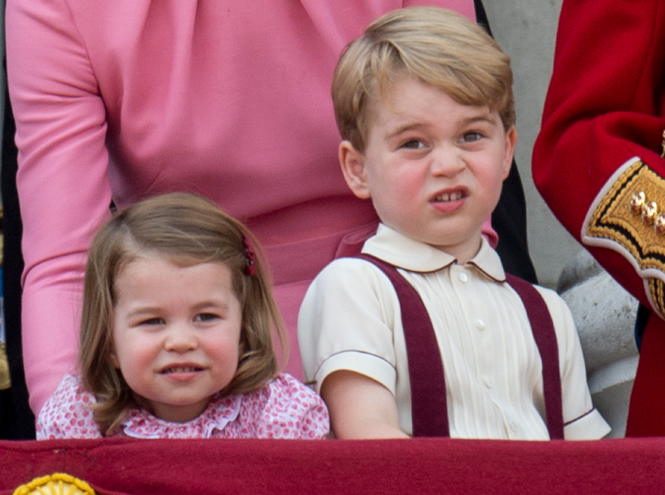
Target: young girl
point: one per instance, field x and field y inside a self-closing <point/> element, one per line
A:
<point x="176" y="335"/>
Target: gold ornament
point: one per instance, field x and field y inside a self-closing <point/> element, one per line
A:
<point x="637" y="201"/>
<point x="649" y="212"/>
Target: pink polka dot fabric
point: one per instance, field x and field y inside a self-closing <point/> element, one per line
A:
<point x="284" y="408"/>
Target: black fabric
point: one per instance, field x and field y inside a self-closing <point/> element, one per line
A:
<point x="17" y="421"/>
<point x="641" y="319"/>
<point x="481" y="15"/>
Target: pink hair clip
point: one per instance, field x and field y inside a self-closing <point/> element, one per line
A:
<point x="250" y="258"/>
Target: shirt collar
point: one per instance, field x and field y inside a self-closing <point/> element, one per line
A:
<point x="409" y="254"/>
<point x="140" y="423"/>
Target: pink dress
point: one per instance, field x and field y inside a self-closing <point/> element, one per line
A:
<point x="129" y="98"/>
<point x="284" y="408"/>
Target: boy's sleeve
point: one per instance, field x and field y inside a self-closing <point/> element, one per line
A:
<point x="581" y="420"/>
<point x="346" y="322"/>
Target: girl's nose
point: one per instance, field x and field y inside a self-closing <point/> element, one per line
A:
<point x="181" y="338"/>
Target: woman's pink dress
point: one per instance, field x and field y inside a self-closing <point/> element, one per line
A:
<point x="123" y="99"/>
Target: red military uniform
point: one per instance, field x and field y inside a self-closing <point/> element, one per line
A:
<point x="598" y="164"/>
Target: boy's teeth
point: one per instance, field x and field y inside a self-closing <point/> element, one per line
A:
<point x="449" y="196"/>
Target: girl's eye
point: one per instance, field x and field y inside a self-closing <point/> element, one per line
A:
<point x="413" y="144"/>
<point x="152" y="321"/>
<point x="471" y="137"/>
<point x="206" y="317"/>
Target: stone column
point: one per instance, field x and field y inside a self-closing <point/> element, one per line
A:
<point x="605" y="317"/>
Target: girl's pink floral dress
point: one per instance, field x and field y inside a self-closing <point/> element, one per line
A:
<point x="284" y="408"/>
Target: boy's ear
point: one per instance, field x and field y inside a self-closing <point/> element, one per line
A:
<point x="511" y="141"/>
<point x="353" y="168"/>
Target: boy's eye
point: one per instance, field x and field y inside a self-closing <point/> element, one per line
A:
<point x="413" y="144"/>
<point x="206" y="317"/>
<point x="471" y="137"/>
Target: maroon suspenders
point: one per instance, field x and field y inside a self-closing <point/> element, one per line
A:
<point x="428" y="387"/>
<point x="545" y="337"/>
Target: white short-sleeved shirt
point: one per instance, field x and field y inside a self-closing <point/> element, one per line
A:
<point x="350" y="320"/>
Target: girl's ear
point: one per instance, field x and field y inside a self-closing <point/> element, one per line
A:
<point x="353" y="167"/>
<point x="114" y="360"/>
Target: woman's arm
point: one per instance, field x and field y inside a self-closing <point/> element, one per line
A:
<point x="63" y="188"/>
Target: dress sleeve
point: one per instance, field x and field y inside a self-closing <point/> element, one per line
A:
<point x="66" y="414"/>
<point x="581" y="420"/>
<point x="601" y="136"/>
<point x="293" y="411"/>
<point x="63" y="188"/>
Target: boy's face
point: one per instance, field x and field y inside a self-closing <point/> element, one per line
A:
<point x="433" y="167"/>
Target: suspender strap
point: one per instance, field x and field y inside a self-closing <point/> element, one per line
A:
<point x="545" y="337"/>
<point x="429" y="409"/>
<point x="428" y="387"/>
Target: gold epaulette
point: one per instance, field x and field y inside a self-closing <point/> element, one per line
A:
<point x="628" y="216"/>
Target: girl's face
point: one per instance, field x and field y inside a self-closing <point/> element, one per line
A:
<point x="176" y="333"/>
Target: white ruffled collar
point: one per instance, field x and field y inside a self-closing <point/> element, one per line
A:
<point x="140" y="423"/>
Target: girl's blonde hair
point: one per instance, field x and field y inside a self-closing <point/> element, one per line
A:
<point x="188" y="230"/>
<point x="436" y="46"/>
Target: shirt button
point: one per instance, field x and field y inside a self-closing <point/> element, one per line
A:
<point x="463" y="277"/>
<point x="480" y="324"/>
<point x="488" y="382"/>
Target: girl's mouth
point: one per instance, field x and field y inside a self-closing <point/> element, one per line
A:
<point x="180" y="369"/>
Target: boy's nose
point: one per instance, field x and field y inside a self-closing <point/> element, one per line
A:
<point x="447" y="163"/>
<point x="181" y="338"/>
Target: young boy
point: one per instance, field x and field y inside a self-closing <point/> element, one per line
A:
<point x="424" y="103"/>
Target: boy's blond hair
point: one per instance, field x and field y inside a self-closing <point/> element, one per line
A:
<point x="436" y="46"/>
<point x="187" y="230"/>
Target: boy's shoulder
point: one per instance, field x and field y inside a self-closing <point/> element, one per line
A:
<point x="551" y="297"/>
<point x="347" y="269"/>
<point x="559" y="311"/>
<point x="347" y="279"/>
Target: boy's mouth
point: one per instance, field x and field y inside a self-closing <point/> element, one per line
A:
<point x="447" y="197"/>
<point x="450" y="195"/>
